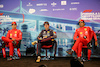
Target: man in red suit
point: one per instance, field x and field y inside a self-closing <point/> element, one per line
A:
<point x="82" y="36"/>
<point x="12" y="39"/>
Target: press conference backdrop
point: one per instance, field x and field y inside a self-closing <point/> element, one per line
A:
<point x="63" y="16"/>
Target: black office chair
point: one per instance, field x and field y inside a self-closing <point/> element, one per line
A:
<point x="46" y="47"/>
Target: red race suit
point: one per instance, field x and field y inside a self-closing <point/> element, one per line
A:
<point x="15" y="34"/>
<point x="83" y="36"/>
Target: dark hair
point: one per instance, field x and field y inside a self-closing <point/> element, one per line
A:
<point x="82" y="21"/>
<point x="13" y="24"/>
<point x="46" y="23"/>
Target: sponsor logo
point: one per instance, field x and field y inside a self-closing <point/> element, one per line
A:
<point x="44" y="32"/>
<point x="85" y="29"/>
<point x="87" y="11"/>
<point x="15" y="31"/>
<point x="15" y="35"/>
<point x="10" y="35"/>
<point x="7" y="18"/>
<point x="72" y="8"/>
<point x="63" y="2"/>
<point x="32" y="11"/>
<point x="81" y="32"/>
<point x="1" y="6"/>
<point x="86" y="32"/>
<point x="75" y="3"/>
<point x="41" y="4"/>
<point x="53" y="4"/>
<point x="43" y="10"/>
<point x="88" y="15"/>
<point x="58" y="9"/>
<point x="29" y="4"/>
<point x="48" y="31"/>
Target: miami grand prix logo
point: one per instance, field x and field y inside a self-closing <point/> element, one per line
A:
<point x="90" y="15"/>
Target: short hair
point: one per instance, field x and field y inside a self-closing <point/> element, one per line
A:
<point x="46" y="23"/>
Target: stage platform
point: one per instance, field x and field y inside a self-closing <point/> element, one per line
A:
<point x="58" y="62"/>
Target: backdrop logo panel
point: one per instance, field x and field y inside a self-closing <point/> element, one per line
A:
<point x="63" y="16"/>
